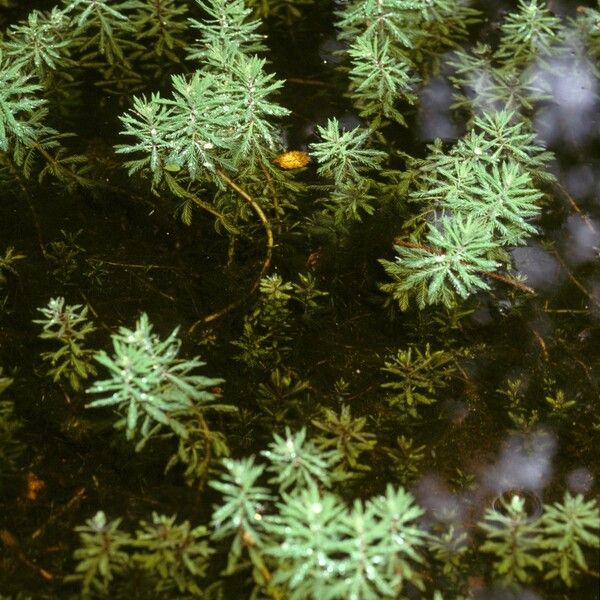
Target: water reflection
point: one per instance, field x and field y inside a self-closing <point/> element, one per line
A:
<point x="580" y="181"/>
<point x="543" y="271"/>
<point x="580" y="480"/>
<point x="331" y="52"/>
<point x="446" y="507"/>
<point x="572" y="115"/>
<point x="582" y="239"/>
<point x="434" y="111"/>
<point x="525" y="462"/>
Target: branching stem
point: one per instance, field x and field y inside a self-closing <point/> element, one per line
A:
<point x="574" y="279"/>
<point x="266" y="260"/>
<point x="576" y="208"/>
<point x="183" y="193"/>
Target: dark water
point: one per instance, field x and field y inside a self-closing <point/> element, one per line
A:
<point x="128" y="255"/>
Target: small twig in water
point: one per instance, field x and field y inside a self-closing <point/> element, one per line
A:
<point x="576" y="208"/>
<point x="574" y="279"/>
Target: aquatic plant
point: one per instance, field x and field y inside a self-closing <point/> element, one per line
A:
<point x="69" y="325"/>
<point x="513" y="539"/>
<point x="303" y="541"/>
<point x="345" y="158"/>
<point x="150" y="386"/>
<point x="273" y="208"/>
<point x="348" y="437"/>
<point x="406" y="458"/>
<point x="101" y="555"/>
<point x="11" y="256"/>
<point x="416" y="377"/>
<point x="568" y="527"/>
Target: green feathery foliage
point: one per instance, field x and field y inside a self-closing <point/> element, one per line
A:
<point x="25" y="138"/>
<point x="553" y="543"/>
<point x="378" y="79"/>
<point x="306" y="293"/>
<point x="568" y="527"/>
<point x="103" y="31"/>
<point x="40" y="46"/>
<point x="69" y="325"/>
<point x="407" y="459"/>
<point x="211" y="139"/>
<point x="417" y="376"/>
<point x="318" y="546"/>
<point x="344" y="158"/>
<point x="169" y="556"/>
<point x="174" y="555"/>
<point x="392" y="44"/>
<point x="298" y="462"/>
<point x="305" y="542"/>
<point x="586" y="36"/>
<point x="7" y="264"/>
<point x="529" y="33"/>
<point x="265" y="332"/>
<point x="482" y="194"/>
<point x="283" y="395"/>
<point x="160" y="28"/>
<point x="101" y="555"/>
<point x="149" y="385"/>
<point x="508" y="77"/>
<point x="513" y="539"/>
<point x="202" y="446"/>
<point x="346" y="435"/>
<point x="380" y="71"/>
<point x="239" y="516"/>
<point x="21" y="111"/>
<point x="453" y="262"/>
<point x="226" y="33"/>
<point x="342" y="155"/>
<point x="330" y="551"/>
<point x="219" y="120"/>
<point x="450" y="551"/>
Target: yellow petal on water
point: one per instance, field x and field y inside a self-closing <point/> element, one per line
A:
<point x="34" y="486"/>
<point x="295" y="159"/>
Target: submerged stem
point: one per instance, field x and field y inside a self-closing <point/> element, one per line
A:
<point x="266" y="260"/>
<point x="183" y="193"/>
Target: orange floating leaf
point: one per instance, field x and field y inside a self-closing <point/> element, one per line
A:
<point x="34" y="486"/>
<point x="294" y="159"/>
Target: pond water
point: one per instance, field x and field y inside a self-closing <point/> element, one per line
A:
<point x="498" y="426"/>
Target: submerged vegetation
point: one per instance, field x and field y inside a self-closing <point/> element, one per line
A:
<point x="399" y="411"/>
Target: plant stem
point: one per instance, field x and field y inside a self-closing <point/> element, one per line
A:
<point x="266" y="260"/>
<point x="576" y="208"/>
<point x="276" y="207"/>
<point x="509" y="281"/>
<point x="183" y="193"/>
<point x="573" y="278"/>
<point x="83" y="181"/>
